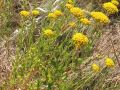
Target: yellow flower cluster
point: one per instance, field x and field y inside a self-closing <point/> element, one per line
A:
<point x="70" y="1"/>
<point x="58" y="13"/>
<point x="95" y="67"/>
<point x="72" y="24"/>
<point x="115" y="2"/>
<point x="100" y="17"/>
<point x="110" y="8"/>
<point x="52" y="15"/>
<point x="85" y="21"/>
<point x="35" y="12"/>
<point x="48" y="32"/>
<point x="79" y="39"/>
<point x="55" y="14"/>
<point x="69" y="6"/>
<point x="77" y="12"/>
<point x="109" y="62"/>
<point x="27" y="13"/>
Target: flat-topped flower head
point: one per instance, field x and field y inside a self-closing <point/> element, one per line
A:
<point x="72" y="24"/>
<point x="25" y="13"/>
<point x="58" y="13"/>
<point x="110" y="8"/>
<point x="35" y="12"/>
<point x="48" y="32"/>
<point x="100" y="17"/>
<point x="95" y="67"/>
<point x="85" y="21"/>
<point x="52" y="15"/>
<point x="79" y="39"/>
<point x="115" y="2"/>
<point x="69" y="6"/>
<point x="109" y="62"/>
<point x="77" y="12"/>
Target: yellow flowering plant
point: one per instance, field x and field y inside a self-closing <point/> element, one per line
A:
<point x="100" y="17"/>
<point x="77" y="12"/>
<point x="70" y="1"/>
<point x="55" y="14"/>
<point x="85" y="21"/>
<point x="72" y="24"/>
<point x="115" y="2"/>
<point x="57" y="44"/>
<point x="52" y="15"/>
<point x="35" y="12"/>
<point x="58" y="13"/>
<point x="48" y="33"/>
<point x="69" y="6"/>
<point x="109" y="62"/>
<point x="25" y="13"/>
<point x="110" y="7"/>
<point x="95" y="67"/>
<point x="79" y="39"/>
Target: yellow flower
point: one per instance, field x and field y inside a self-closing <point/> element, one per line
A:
<point x="79" y="39"/>
<point x="95" y="67"/>
<point x="70" y="1"/>
<point x="25" y="13"/>
<point x="48" y="32"/>
<point x="77" y="12"/>
<point x="85" y="21"/>
<point x="72" y="24"/>
<point x="110" y="8"/>
<point x="69" y="6"/>
<point x="109" y="62"/>
<point x="58" y="13"/>
<point x="55" y="14"/>
<point x="100" y="17"/>
<point x="115" y="2"/>
<point x="52" y="15"/>
<point x="35" y="12"/>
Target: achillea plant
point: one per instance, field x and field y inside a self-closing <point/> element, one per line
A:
<point x="48" y="32"/>
<point x="100" y="17"/>
<point x="58" y="13"/>
<point x="52" y="15"/>
<point x="72" y="24"/>
<point x="70" y="1"/>
<point x="59" y="57"/>
<point x="110" y="7"/>
<point x="109" y="62"/>
<point x="79" y="40"/>
<point x="25" y="13"/>
<point x="35" y="12"/>
<point x="55" y="14"/>
<point x="115" y="2"/>
<point x="69" y="6"/>
<point x="95" y="67"/>
<point x="85" y="21"/>
<point x="76" y="11"/>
